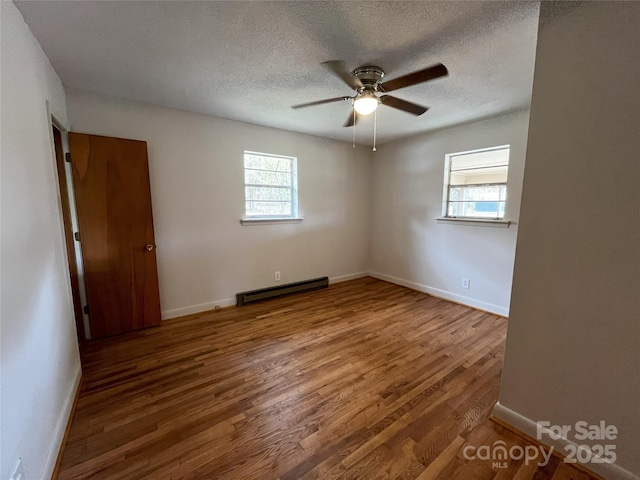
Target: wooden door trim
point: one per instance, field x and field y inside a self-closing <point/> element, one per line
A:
<point x="65" y="204"/>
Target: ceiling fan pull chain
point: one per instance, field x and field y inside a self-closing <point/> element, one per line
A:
<point x="375" y="127"/>
<point x="354" y="128"/>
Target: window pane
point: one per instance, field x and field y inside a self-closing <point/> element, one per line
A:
<point x="479" y="176"/>
<point x="485" y="192"/>
<point x="268" y="208"/>
<point x="260" y="162"/>
<point x="480" y="209"/>
<point x="482" y="202"/>
<point x="268" y="193"/>
<point x="259" y="177"/>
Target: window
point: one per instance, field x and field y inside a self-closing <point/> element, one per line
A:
<point x="476" y="183"/>
<point x="270" y="186"/>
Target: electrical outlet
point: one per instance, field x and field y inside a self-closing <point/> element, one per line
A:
<point x="18" y="472"/>
<point x="276" y="276"/>
<point x="465" y="283"/>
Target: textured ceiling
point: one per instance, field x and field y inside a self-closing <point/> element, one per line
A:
<point x="250" y="61"/>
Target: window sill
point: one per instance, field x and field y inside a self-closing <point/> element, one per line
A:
<point x="475" y="222"/>
<point x="270" y="221"/>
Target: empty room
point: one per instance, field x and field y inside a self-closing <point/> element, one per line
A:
<point x="320" y="240"/>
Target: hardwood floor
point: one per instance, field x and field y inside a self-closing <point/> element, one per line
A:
<point x="362" y="380"/>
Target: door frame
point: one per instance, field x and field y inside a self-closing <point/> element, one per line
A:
<point x="68" y="217"/>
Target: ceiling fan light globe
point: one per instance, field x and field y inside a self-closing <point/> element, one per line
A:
<point x="365" y="105"/>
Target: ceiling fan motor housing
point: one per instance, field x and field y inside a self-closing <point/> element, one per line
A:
<point x="370" y="76"/>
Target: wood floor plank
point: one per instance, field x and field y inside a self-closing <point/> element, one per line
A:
<point x="363" y="380"/>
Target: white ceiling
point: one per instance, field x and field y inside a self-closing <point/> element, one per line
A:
<point x="250" y="61"/>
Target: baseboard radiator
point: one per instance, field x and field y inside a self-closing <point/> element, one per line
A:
<point x="271" y="292"/>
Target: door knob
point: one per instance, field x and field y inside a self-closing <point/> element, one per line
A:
<point x="149" y="248"/>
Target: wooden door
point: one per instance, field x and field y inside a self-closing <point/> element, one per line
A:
<point x="113" y="199"/>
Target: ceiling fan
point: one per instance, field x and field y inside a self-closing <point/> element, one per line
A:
<point x="367" y="83"/>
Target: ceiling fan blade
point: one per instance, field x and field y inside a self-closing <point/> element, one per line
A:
<point x="351" y="121"/>
<point x="434" y="71"/>
<point x="403" y="105"/>
<point x="340" y="70"/>
<point x="321" y="102"/>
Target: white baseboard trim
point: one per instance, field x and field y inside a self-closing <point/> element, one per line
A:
<point x="201" y="307"/>
<point x="436" y="292"/>
<point x="345" y="278"/>
<point x="610" y="471"/>
<point x="61" y="426"/>
<point x="227" y="302"/>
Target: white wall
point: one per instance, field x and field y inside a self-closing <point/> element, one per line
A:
<point x="573" y="344"/>
<point x="205" y="256"/>
<point x="409" y="247"/>
<point x="40" y="362"/>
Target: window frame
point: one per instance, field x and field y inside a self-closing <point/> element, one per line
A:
<point x="259" y="218"/>
<point x="447" y="186"/>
